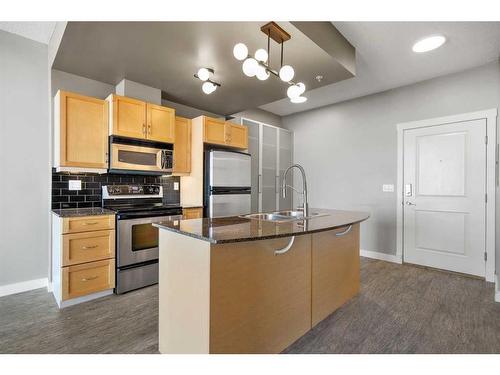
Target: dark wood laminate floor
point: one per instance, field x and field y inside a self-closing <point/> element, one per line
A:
<point x="401" y="309"/>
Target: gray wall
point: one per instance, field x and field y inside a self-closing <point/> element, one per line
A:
<point x="80" y="85"/>
<point x="349" y="149"/>
<point x="259" y="115"/>
<point x="24" y="159"/>
<point x="187" y="111"/>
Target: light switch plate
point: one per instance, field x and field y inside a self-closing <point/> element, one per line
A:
<point x="388" y="188"/>
<point x="75" y="184"/>
<point x="176" y="186"/>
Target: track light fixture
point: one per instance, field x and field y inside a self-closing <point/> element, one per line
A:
<point x="208" y="85"/>
<point x="259" y="64"/>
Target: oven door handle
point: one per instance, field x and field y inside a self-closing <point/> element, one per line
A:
<point x="142" y="215"/>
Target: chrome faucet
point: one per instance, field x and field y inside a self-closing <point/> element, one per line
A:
<point x="305" y="206"/>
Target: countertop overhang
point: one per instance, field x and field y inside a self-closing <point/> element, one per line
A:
<point x="238" y="229"/>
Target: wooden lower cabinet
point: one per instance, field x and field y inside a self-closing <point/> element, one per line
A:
<point x="83" y="257"/>
<point x="192" y="213"/>
<point x="253" y="308"/>
<point x="335" y="270"/>
<point x="182" y="146"/>
<point x="243" y="298"/>
<point x="87" y="247"/>
<point x="88" y="278"/>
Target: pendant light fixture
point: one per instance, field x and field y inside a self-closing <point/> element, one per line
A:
<point x="258" y="65"/>
<point x="208" y="85"/>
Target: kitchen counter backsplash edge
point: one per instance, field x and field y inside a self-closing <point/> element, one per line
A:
<point x="91" y="193"/>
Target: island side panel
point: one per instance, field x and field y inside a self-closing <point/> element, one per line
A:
<point x="335" y="270"/>
<point x="259" y="302"/>
<point x="184" y="294"/>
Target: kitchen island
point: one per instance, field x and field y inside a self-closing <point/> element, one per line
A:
<point x="239" y="285"/>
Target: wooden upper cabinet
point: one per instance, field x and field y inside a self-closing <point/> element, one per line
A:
<point x="127" y="116"/>
<point x="81" y="131"/>
<point x="237" y="135"/>
<point x="224" y="133"/>
<point x="160" y="123"/>
<point x="134" y="118"/>
<point x="182" y="146"/>
<point x="214" y="131"/>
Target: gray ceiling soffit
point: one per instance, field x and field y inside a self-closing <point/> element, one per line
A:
<point x="327" y="37"/>
<point x="165" y="55"/>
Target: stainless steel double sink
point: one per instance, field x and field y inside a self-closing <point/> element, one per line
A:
<point x="282" y="216"/>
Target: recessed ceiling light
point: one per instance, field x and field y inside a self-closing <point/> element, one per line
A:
<point x="429" y="43"/>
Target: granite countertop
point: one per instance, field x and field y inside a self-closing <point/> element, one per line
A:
<point x="237" y="229"/>
<point x="75" y="212"/>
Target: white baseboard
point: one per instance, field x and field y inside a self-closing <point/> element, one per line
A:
<point x="24" y="286"/>
<point x="88" y="297"/>
<point x="380" y="256"/>
<point x="497" y="289"/>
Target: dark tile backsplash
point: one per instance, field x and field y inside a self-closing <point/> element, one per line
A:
<point x="91" y="193"/>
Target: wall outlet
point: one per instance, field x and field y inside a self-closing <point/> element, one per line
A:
<point x="75" y="184"/>
<point x="176" y="186"/>
<point x="388" y="188"/>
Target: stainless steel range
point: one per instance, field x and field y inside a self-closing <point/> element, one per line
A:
<point x="137" y="207"/>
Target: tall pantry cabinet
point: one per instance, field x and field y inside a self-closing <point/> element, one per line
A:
<point x="272" y="152"/>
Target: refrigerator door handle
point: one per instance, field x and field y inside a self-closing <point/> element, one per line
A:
<point x="259" y="180"/>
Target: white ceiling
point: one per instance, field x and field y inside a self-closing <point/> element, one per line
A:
<point x="385" y="60"/>
<point x="37" y="31"/>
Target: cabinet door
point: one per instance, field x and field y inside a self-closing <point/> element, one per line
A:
<point x="161" y="123"/>
<point x="87" y="278"/>
<point x="253" y="148"/>
<point x="129" y="117"/>
<point x="237" y="135"/>
<point x="182" y="145"/>
<point x="214" y="131"/>
<point x="259" y="302"/>
<point x="192" y="213"/>
<point x="285" y="156"/>
<point x="82" y="122"/>
<point x="335" y="270"/>
<point x="269" y="184"/>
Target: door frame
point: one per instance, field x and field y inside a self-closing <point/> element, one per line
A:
<point x="490" y="115"/>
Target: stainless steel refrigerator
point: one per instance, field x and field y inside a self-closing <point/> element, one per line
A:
<point x="227" y="183"/>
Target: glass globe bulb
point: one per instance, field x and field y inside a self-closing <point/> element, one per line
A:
<point x="261" y="55"/>
<point x="240" y="51"/>
<point x="302" y="87"/>
<point x="262" y="73"/>
<point x="250" y="67"/>
<point x="208" y="87"/>
<point x="293" y="91"/>
<point x="298" y="99"/>
<point x="203" y="74"/>
<point x="286" y="73"/>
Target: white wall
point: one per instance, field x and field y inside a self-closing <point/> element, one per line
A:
<point x="349" y="149"/>
<point x="24" y="159"/>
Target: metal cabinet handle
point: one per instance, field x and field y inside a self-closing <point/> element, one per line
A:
<point x="91" y="223"/>
<point x="286" y="248"/>
<point x="144" y="129"/>
<point x="344" y="232"/>
<point x="89" y="247"/>
<point x="149" y="129"/>
<point x="90" y="278"/>
<point x="410" y="204"/>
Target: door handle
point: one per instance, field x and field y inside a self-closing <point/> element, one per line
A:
<point x="149" y="129"/>
<point x="410" y="204"/>
<point x="90" y="278"/>
<point x="144" y="129"/>
<point x="340" y="234"/>
<point x="89" y="247"/>
<point x="286" y="248"/>
<point x="259" y="178"/>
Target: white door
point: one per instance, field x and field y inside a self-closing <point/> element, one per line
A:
<point x="444" y="196"/>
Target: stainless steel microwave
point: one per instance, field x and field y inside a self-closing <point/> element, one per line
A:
<point x="140" y="158"/>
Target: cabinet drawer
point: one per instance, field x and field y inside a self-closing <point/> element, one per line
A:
<point x="88" y="223"/>
<point x="88" y="278"/>
<point x="87" y="247"/>
<point x="192" y="213"/>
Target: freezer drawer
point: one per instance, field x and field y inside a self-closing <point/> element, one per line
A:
<point x="229" y="205"/>
<point x="230" y="169"/>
